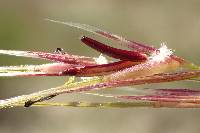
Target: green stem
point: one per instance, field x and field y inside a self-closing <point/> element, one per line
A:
<point x="192" y="66"/>
<point x="34" y="97"/>
<point x="134" y="104"/>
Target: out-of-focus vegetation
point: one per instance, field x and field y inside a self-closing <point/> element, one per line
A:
<point x="22" y="27"/>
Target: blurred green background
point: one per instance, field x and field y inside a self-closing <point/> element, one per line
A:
<point x="22" y="27"/>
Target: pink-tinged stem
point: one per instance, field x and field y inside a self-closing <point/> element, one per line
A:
<point x="114" y="52"/>
<point x="177" y="92"/>
<point x="175" y="105"/>
<point x="131" y="44"/>
<point x="186" y="99"/>
<point x="159" y="78"/>
<point x="99" y="70"/>
<point x="63" y="69"/>
<point x="146" y="80"/>
<point x="51" y="69"/>
<point x="64" y="58"/>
